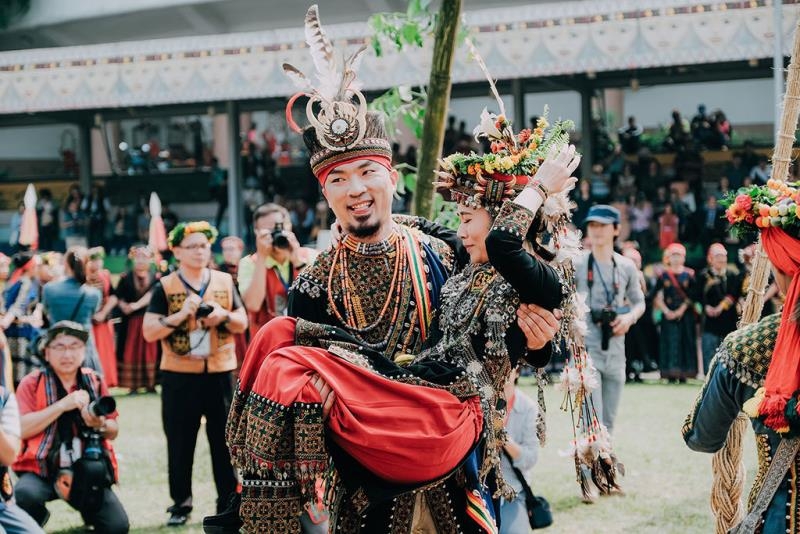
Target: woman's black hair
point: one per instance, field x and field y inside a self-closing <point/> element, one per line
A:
<point x="76" y="260"/>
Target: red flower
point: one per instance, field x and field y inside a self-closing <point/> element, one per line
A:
<point x="744" y="202"/>
<point x="524" y="135"/>
<point x="749" y="218"/>
<point x="496" y="147"/>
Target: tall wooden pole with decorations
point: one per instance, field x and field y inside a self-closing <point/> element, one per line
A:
<point x="727" y="464"/>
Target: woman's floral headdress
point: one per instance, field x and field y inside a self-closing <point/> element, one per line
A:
<point x="182" y="230"/>
<point x="768" y="206"/>
<point x="487" y="180"/>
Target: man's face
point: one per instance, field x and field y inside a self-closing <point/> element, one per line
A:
<point x="601" y="234"/>
<point x="266" y="225"/>
<point x="65" y="354"/>
<point x="718" y="261"/>
<point x="231" y="253"/>
<point x="194" y="251"/>
<point x="360" y="195"/>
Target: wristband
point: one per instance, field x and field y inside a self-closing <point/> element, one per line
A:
<point x="540" y="188"/>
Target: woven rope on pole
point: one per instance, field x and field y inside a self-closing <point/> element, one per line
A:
<point x="727" y="464"/>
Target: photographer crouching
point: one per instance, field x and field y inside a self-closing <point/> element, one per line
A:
<point x="195" y="312"/>
<point x="67" y="422"/>
<point x="610" y="282"/>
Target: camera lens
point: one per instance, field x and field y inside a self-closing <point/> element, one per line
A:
<point x="102" y="406"/>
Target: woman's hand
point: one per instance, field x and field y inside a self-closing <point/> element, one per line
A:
<point x="555" y="173"/>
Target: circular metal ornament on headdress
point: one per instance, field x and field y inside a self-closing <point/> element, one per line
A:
<point x="339" y="125"/>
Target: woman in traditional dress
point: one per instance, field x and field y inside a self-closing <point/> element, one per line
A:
<point x="102" y="331"/>
<point x="675" y="293"/>
<point x="21" y="319"/>
<point x="139" y="357"/>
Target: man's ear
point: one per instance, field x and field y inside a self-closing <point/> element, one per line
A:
<point x="394" y="176"/>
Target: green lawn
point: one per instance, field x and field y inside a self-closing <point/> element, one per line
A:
<point x="667" y="485"/>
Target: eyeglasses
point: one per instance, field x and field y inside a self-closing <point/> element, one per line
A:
<point x="198" y="246"/>
<point x="63" y="349"/>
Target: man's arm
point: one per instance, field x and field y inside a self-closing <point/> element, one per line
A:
<point x="157" y="324"/>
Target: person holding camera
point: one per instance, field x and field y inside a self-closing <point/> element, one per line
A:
<point x="195" y="313"/>
<point x="265" y="277"/>
<point x="610" y="282"/>
<point x="68" y="421"/>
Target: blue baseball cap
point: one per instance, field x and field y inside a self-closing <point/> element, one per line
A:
<point x="603" y="214"/>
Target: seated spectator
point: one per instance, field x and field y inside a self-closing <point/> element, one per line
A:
<point x="714" y="226"/>
<point x="60" y="436"/>
<point x="735" y="172"/>
<point x="630" y="136"/>
<point x="626" y="183"/>
<point x="668" y="225"/>
<point x="641" y="214"/>
<point x="724" y="187"/>
<point x="724" y="130"/>
<point x="678" y="132"/>
<point x="702" y="127"/>
<point x="522" y="447"/>
<point x="601" y="184"/>
<point x="761" y="172"/>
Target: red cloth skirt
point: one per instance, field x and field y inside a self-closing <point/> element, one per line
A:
<point x="104" y="341"/>
<point x="404" y="433"/>
<point x="139" y="357"/>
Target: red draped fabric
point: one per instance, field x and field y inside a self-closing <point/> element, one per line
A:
<point x="104" y="341"/>
<point x="783" y="377"/>
<point x="403" y="433"/>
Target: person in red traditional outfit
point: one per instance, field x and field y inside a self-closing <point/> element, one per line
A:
<point x="265" y="277"/>
<point x="102" y="331"/>
<point x="137" y="369"/>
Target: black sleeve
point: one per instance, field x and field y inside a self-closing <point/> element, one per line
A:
<point x="303" y="306"/>
<point x="158" y="302"/>
<point x="438" y="231"/>
<point x="535" y="281"/>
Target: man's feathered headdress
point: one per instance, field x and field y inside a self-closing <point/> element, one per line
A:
<point x="336" y="107"/>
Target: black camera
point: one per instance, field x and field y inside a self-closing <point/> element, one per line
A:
<point x="203" y="310"/>
<point x="604" y="318"/>
<point x="102" y="406"/>
<point x="279" y="239"/>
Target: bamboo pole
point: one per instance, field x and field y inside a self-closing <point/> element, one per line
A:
<point x="727" y="464"/>
<point x="438" y="101"/>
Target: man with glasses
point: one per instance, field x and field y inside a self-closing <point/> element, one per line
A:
<point x="195" y="313"/>
<point x="57" y="425"/>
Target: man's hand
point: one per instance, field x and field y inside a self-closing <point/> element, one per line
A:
<point x="325" y="393"/>
<point x="190" y="305"/>
<point x="77" y="400"/>
<point x="622" y="324"/>
<point x="91" y="420"/>
<point x="217" y="316"/>
<point x="538" y="324"/>
<point x="337" y="234"/>
<point x="264" y="244"/>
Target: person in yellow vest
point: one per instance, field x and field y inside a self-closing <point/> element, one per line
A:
<point x="195" y="313"/>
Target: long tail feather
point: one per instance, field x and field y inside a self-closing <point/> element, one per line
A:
<point x="322" y="54"/>
<point x="298" y="78"/>
<point x="474" y="52"/>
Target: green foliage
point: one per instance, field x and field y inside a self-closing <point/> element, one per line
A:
<point x="403" y="29"/>
<point x="402" y="104"/>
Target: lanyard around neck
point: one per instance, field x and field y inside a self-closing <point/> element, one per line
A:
<point x="610" y="295"/>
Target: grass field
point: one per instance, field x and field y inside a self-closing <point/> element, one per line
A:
<point x="667" y="485"/>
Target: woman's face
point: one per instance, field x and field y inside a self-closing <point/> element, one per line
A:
<point x="474" y="227"/>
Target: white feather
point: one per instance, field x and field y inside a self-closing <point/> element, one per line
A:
<point x="298" y="78"/>
<point x="474" y="51"/>
<point x="322" y="53"/>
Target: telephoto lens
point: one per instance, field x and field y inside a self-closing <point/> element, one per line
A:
<point x="102" y="406"/>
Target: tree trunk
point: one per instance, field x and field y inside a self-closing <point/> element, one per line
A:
<point x="438" y="101"/>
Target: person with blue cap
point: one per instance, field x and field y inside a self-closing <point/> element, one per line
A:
<point x="610" y="283"/>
